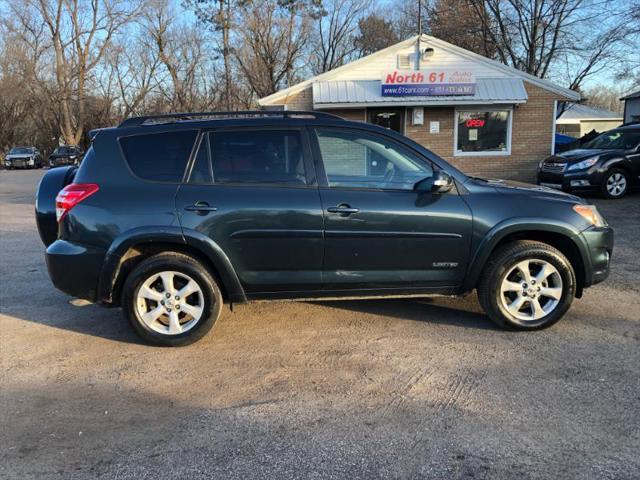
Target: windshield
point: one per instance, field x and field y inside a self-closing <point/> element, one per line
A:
<point x="20" y="150"/>
<point x="64" y="150"/>
<point x="616" y="140"/>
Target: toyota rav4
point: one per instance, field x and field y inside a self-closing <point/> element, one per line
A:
<point x="171" y="216"/>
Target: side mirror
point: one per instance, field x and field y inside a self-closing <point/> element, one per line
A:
<point x="440" y="182"/>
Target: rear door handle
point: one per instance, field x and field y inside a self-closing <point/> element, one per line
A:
<point x="343" y="209"/>
<point x="201" y="208"/>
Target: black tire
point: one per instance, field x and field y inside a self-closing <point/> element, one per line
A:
<point x="501" y="263"/>
<point x="610" y="176"/>
<point x="177" y="262"/>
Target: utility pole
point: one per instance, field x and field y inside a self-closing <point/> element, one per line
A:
<point x="419" y="34"/>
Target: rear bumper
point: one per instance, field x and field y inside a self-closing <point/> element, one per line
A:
<point x="599" y="245"/>
<point x="74" y="268"/>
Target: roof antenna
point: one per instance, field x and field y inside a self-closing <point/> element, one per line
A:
<point x="419" y="33"/>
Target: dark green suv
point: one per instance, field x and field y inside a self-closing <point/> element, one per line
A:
<point x="170" y="216"/>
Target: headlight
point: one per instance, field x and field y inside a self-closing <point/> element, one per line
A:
<point x="589" y="162"/>
<point x="590" y="214"/>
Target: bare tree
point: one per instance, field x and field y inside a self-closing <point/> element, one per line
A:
<point x="374" y="33"/>
<point x="134" y="71"/>
<point x="219" y="14"/>
<point x="604" y="96"/>
<point x="335" y="33"/>
<point x="271" y="43"/>
<point x="532" y="35"/>
<point x="78" y="33"/>
<point x="184" y="79"/>
<point x="457" y="22"/>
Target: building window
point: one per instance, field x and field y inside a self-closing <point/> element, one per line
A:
<point x="483" y="132"/>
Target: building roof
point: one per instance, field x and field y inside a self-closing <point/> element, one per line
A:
<point x="576" y="112"/>
<point x="495" y="69"/>
<point x="631" y="95"/>
<point x="353" y="93"/>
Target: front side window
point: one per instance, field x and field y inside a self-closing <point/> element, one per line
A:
<point x="257" y="156"/>
<point x="362" y="160"/>
<point x="483" y="132"/>
<point x="161" y="157"/>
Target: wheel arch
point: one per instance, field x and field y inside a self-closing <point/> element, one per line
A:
<point x="621" y="163"/>
<point x="133" y="246"/>
<point x="562" y="236"/>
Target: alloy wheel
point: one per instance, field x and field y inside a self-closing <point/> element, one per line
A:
<point x="616" y="184"/>
<point x="530" y="291"/>
<point x="170" y="302"/>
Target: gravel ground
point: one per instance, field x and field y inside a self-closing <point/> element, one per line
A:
<point x="369" y="389"/>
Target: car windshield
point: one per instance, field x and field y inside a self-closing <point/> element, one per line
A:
<point x="64" y="150"/>
<point x="20" y="150"/>
<point x="615" y="140"/>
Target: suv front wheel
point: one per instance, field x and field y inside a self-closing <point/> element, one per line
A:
<point x="527" y="285"/>
<point x="170" y="299"/>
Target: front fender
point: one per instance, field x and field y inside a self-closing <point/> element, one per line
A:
<point x="522" y="225"/>
<point x="621" y="162"/>
<point x="167" y="234"/>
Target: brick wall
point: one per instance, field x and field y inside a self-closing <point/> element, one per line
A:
<point x="530" y="141"/>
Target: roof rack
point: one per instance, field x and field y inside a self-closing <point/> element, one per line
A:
<point x="187" y="116"/>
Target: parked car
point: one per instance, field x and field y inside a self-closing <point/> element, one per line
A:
<point x="23" y="157"/>
<point x="610" y="164"/>
<point x="65" y="155"/>
<point x="170" y="216"/>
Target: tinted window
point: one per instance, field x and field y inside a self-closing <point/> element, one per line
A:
<point x="616" y="139"/>
<point x="362" y="160"/>
<point x="483" y="131"/>
<point x="257" y="156"/>
<point x="159" y="157"/>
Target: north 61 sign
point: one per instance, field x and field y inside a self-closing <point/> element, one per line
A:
<point x="427" y="83"/>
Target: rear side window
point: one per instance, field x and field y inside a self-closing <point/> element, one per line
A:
<point x="258" y="156"/>
<point x="161" y="157"/>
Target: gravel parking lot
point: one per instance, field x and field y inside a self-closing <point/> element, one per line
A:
<point x="369" y="389"/>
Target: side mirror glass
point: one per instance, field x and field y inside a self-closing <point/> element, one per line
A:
<point x="440" y="182"/>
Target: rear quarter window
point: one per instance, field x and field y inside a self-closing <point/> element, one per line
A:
<point x="159" y="157"/>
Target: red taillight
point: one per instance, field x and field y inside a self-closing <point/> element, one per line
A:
<point x="71" y="195"/>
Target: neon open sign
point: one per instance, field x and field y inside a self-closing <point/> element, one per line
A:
<point x="474" y="123"/>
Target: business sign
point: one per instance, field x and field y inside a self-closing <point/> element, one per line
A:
<point x="427" y="83"/>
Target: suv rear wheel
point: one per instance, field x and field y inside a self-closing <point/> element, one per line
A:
<point x="527" y="285"/>
<point x="170" y="299"/>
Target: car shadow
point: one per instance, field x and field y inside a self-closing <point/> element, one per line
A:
<point x="92" y="320"/>
<point x="427" y="310"/>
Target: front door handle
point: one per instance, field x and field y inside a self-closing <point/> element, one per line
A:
<point x="201" y="208"/>
<point x="343" y="210"/>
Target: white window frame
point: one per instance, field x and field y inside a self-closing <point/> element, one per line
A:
<point x="486" y="153"/>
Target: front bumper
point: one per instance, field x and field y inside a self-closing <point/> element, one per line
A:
<point x="581" y="180"/>
<point x="19" y="163"/>
<point x="598" y="243"/>
<point x="75" y="268"/>
<point x="61" y="162"/>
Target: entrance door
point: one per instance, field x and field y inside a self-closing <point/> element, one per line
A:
<point x="390" y="118"/>
<point x="379" y="232"/>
